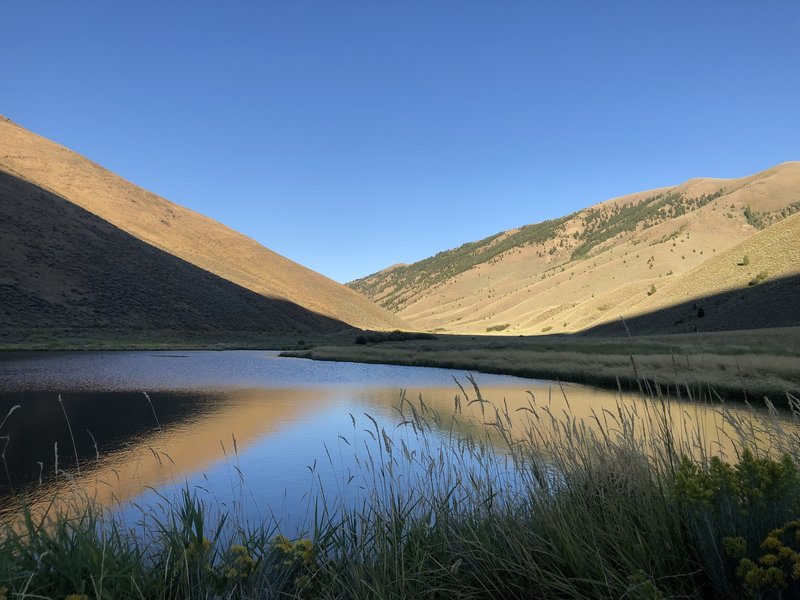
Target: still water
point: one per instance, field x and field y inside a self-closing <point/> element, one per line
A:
<point x="252" y="431"/>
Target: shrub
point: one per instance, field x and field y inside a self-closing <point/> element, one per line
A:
<point x="776" y="569"/>
<point x="753" y="218"/>
<point x="392" y="336"/>
<point x="729" y="507"/>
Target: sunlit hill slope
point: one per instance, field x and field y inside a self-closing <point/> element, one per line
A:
<point x="623" y="257"/>
<point x="82" y="247"/>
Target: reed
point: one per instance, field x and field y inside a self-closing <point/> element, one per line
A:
<point x="525" y="504"/>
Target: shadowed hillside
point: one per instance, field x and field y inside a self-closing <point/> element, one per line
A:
<point x="190" y="236"/>
<point x="66" y="271"/>
<point x="774" y="303"/>
<point x="634" y="254"/>
<point x="753" y="284"/>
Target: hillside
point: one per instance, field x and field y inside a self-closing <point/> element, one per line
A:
<point x="66" y="271"/>
<point x="761" y="290"/>
<point x="637" y="253"/>
<point x="184" y="234"/>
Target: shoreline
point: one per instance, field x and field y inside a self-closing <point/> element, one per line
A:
<point x="736" y="365"/>
<point x="677" y="366"/>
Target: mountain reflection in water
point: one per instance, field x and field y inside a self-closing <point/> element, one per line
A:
<point x="259" y="427"/>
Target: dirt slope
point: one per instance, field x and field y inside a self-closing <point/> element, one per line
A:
<point x="181" y="232"/>
<point x="620" y="257"/>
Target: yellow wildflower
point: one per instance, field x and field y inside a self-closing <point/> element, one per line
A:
<point x="304" y="549"/>
<point x="282" y="544"/>
<point x="242" y="562"/>
<point x="775" y="577"/>
<point x="768" y="560"/>
<point x="745" y="566"/>
<point x="192" y="549"/>
<point x="754" y="578"/>
<point x="776" y="533"/>
<point x="734" y="547"/>
<point x="771" y="543"/>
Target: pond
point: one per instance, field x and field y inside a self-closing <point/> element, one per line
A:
<point x="252" y="431"/>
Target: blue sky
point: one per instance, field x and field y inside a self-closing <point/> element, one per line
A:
<point x="349" y="136"/>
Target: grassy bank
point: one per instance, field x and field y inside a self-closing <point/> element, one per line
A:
<point x="164" y="340"/>
<point x="533" y="505"/>
<point x="741" y="365"/>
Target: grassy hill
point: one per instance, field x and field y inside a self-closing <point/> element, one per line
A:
<point x="66" y="273"/>
<point x="754" y="284"/>
<point x="159" y="224"/>
<point x="623" y="257"/>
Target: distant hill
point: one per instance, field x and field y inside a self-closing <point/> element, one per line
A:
<point x="80" y="245"/>
<point x="624" y="257"/>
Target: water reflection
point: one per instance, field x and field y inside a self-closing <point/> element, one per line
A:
<point x="265" y="434"/>
<point x="548" y="411"/>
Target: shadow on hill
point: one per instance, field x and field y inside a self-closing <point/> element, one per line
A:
<point x="65" y="271"/>
<point x="774" y="303"/>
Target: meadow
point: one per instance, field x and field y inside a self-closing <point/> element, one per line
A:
<point x="634" y="503"/>
<point x="739" y="365"/>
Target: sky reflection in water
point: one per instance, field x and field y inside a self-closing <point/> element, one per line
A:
<point x="257" y="434"/>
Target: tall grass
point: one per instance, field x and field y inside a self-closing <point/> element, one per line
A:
<point x="481" y="502"/>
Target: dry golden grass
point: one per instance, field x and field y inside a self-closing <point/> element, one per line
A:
<point x="539" y="286"/>
<point x="179" y="231"/>
<point x="68" y="276"/>
<point x="775" y="251"/>
<point x="738" y="365"/>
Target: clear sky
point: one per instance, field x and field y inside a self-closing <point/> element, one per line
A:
<point x="349" y="136"/>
